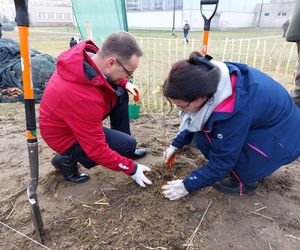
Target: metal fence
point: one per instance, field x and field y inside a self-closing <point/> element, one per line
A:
<point x="271" y="55"/>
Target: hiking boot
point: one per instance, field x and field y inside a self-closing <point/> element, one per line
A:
<point x="139" y="153"/>
<point x="69" y="168"/>
<point x="230" y="185"/>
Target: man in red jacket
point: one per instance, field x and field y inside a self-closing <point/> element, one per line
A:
<point x="87" y="86"/>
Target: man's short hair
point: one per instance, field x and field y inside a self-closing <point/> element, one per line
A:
<point x="120" y="44"/>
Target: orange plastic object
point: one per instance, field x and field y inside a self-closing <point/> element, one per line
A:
<point x="138" y="95"/>
<point x="171" y="161"/>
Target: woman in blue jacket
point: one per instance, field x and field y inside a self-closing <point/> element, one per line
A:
<point x="243" y="122"/>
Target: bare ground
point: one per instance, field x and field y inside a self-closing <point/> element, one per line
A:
<point x="111" y="212"/>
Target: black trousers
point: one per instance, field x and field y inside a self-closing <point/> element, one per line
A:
<point x="118" y="137"/>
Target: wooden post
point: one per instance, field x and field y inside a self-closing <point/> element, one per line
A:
<point x="288" y="64"/>
<point x="247" y="53"/>
<point x="225" y="48"/>
<point x="255" y="52"/>
<point x="240" y="50"/>
<point x="88" y="29"/>
<point x="263" y="56"/>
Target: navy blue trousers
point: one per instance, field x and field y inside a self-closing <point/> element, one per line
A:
<point x="118" y="137"/>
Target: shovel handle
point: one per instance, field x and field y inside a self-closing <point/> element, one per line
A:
<point x="207" y="22"/>
<point x="22" y="17"/>
<point x="206" y="2"/>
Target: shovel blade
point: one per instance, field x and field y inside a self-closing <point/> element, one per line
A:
<point x="36" y="218"/>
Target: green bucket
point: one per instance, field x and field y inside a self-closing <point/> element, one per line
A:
<point x="134" y="110"/>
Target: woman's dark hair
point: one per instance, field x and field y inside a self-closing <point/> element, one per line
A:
<point x="190" y="79"/>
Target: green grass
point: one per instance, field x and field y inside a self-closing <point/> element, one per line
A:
<point x="213" y="34"/>
<point x="161" y="50"/>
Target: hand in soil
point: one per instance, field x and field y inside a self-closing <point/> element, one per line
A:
<point x="170" y="155"/>
<point x="139" y="176"/>
<point x="174" y="190"/>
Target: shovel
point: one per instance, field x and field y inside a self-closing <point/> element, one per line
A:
<point x="207" y="22"/>
<point x="22" y="20"/>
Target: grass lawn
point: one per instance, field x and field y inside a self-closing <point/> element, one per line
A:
<point x="262" y="48"/>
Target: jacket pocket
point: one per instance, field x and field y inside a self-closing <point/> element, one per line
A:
<point x="266" y="147"/>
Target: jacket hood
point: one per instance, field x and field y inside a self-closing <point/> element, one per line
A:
<point x="70" y="64"/>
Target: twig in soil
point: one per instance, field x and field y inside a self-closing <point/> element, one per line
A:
<point x="14" y="194"/>
<point x="121" y="213"/>
<point x="292" y="236"/>
<point x="72" y="218"/>
<point x="190" y="240"/>
<point x="128" y="182"/>
<point x="153" y="248"/>
<point x="16" y="231"/>
<point x="89" y="221"/>
<point x="270" y="246"/>
<point x="11" y="212"/>
<point x="18" y="192"/>
<point x="259" y="194"/>
<point x="104" y="195"/>
<point x="267" y="217"/>
<point x="102" y="201"/>
<point x="256" y="210"/>
<point x="95" y="209"/>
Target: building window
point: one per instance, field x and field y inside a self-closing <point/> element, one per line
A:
<point x="50" y="16"/>
<point x="267" y="14"/>
<point x="279" y="14"/>
<point x="41" y="15"/>
<point x="67" y="16"/>
<point x="284" y="13"/>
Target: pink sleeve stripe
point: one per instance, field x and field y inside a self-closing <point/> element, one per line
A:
<point x="256" y="149"/>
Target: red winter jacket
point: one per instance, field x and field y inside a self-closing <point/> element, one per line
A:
<point x="73" y="107"/>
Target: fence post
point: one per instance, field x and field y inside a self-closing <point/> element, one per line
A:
<point x="225" y="48"/>
<point x="247" y="53"/>
<point x="255" y="52"/>
<point x="263" y="55"/>
<point x="288" y="64"/>
<point x="240" y="50"/>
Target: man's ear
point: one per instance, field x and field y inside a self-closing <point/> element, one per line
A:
<point x="110" y="61"/>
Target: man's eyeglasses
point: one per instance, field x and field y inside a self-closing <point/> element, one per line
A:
<point x="129" y="75"/>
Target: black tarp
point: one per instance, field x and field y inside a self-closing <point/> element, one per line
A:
<point x="42" y="67"/>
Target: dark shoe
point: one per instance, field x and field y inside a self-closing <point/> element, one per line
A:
<point x="230" y="185"/>
<point x="139" y="153"/>
<point x="69" y="168"/>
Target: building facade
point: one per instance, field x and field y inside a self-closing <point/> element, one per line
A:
<point x="153" y="5"/>
<point x="158" y="14"/>
<point x="274" y="14"/>
<point x="42" y="12"/>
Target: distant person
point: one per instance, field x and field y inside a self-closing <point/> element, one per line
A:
<point x="186" y="28"/>
<point x="284" y="27"/>
<point x="88" y="85"/>
<point x="0" y="30"/>
<point x="73" y="42"/>
<point x="244" y="122"/>
<point x="293" y="35"/>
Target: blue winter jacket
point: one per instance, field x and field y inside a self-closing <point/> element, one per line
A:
<point x="260" y="135"/>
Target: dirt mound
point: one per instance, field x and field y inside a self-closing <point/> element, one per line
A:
<point x="111" y="212"/>
<point x="279" y="182"/>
